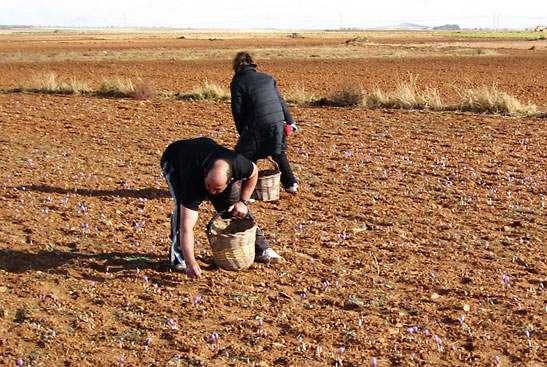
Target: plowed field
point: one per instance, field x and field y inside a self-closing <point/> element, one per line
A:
<point x="417" y="238"/>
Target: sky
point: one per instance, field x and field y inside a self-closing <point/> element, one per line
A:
<point x="278" y="14"/>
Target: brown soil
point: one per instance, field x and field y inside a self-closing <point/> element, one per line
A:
<point x="403" y="219"/>
<point x="320" y="66"/>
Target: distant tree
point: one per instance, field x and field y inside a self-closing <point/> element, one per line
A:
<point x="447" y="27"/>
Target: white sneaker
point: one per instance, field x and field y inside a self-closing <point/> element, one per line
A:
<point x="292" y="189"/>
<point x="269" y="256"/>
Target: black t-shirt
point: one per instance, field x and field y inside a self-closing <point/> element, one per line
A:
<point x="191" y="160"/>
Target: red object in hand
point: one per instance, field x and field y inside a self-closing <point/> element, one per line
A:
<point x="288" y="129"/>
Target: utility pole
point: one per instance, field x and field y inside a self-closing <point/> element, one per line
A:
<point x="496" y="17"/>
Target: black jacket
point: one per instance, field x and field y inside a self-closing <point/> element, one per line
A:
<point x="260" y="114"/>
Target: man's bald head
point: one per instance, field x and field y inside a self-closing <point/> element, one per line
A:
<point x="218" y="177"/>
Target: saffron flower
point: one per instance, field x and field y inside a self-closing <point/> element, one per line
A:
<point x="197" y="299"/>
<point x="462" y="320"/>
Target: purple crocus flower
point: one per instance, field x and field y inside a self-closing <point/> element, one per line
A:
<point x="462" y="320"/>
<point x="505" y="280"/>
<point x="374" y="362"/>
<point x="528" y="337"/>
<point x="172" y="324"/>
<point x="438" y="341"/>
<point x="214" y="340"/>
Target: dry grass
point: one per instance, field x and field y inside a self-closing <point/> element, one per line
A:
<point x="50" y="83"/>
<point x="491" y="100"/>
<point x="208" y="92"/>
<point x="144" y="91"/>
<point x="299" y="95"/>
<point x="349" y="96"/>
<point x="116" y="87"/>
<point x="407" y="95"/>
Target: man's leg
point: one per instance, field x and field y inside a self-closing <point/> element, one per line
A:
<point x="176" y="260"/>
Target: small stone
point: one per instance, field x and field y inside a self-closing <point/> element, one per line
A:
<point x="435" y="296"/>
<point x="353" y="304"/>
<point x="466" y="308"/>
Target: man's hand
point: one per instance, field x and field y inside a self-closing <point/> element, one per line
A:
<point x="238" y="209"/>
<point x="193" y="270"/>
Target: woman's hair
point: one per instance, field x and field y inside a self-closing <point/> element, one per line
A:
<point x="243" y="59"/>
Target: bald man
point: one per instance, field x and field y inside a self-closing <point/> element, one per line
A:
<point x="197" y="169"/>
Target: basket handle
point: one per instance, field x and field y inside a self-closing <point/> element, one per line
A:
<point x="222" y="212"/>
<point x="274" y="163"/>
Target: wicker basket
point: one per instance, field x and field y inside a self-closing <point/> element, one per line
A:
<point x="232" y="241"/>
<point x="267" y="186"/>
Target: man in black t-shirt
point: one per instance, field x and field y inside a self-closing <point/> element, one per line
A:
<point x="197" y="169"/>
